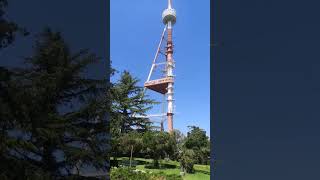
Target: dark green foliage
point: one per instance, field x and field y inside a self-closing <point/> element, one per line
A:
<point x="177" y="139"/>
<point x="187" y="160"/>
<point x="128" y="100"/>
<point x="196" y="138"/>
<point x="178" y="136"/>
<point x="195" y="149"/>
<point x="53" y="118"/>
<point x="158" y="145"/>
<point x="130" y="140"/>
<point x="173" y="177"/>
<point x="127" y="174"/>
<point x="162" y="166"/>
<point x="130" y="174"/>
<point x="8" y="29"/>
<point x="198" y="141"/>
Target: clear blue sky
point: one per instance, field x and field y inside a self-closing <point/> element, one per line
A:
<point x="136" y="28"/>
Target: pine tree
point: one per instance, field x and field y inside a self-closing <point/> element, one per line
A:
<point x="129" y="100"/>
<point x="59" y="115"/>
<point x="8" y="29"/>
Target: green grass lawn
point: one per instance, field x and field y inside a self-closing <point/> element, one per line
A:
<point x="202" y="172"/>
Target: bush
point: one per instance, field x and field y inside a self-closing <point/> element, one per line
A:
<point x="187" y="160"/>
<point x="125" y="173"/>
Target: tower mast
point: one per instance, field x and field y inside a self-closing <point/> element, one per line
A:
<point x="169" y="19"/>
<point x="165" y="85"/>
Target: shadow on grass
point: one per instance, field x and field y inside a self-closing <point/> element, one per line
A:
<point x="139" y="162"/>
<point x="125" y="162"/>
<point x="114" y="163"/>
<point x="203" y="172"/>
<point x="162" y="166"/>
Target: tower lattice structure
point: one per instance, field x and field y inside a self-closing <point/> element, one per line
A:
<point x="164" y="85"/>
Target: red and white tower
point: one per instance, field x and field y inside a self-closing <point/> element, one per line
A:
<point x="165" y="84"/>
<point x="169" y="19"/>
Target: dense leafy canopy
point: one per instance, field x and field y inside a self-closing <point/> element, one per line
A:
<point x="158" y="145"/>
<point x="195" y="149"/>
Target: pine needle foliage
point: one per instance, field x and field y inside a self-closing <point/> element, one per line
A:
<point x="53" y="116"/>
<point x="129" y="101"/>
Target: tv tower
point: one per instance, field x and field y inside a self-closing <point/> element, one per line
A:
<point x="165" y="84"/>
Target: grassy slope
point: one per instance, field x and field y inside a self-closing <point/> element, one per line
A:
<point x="202" y="171"/>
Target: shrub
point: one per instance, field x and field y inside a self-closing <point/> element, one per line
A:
<point x="131" y="174"/>
<point x="187" y="160"/>
<point x="125" y="173"/>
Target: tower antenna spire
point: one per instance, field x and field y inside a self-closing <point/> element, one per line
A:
<point x="165" y="85"/>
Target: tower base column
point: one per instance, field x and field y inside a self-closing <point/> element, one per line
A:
<point x="170" y="122"/>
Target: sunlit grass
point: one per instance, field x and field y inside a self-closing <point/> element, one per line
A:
<point x="202" y="172"/>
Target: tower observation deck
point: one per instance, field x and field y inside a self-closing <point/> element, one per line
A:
<point x="165" y="84"/>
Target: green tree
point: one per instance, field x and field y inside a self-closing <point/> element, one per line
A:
<point x="58" y="116"/>
<point x="158" y="145"/>
<point x="131" y="144"/>
<point x="198" y="141"/>
<point x="187" y="160"/>
<point x="178" y="136"/>
<point x="196" y="138"/>
<point x="177" y="139"/>
<point x="8" y="29"/>
<point x="8" y="164"/>
<point x="128" y="101"/>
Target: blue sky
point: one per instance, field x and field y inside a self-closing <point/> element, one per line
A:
<point x="136" y="28"/>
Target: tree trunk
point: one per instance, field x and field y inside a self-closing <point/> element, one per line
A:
<point x="131" y="155"/>
<point x="156" y="163"/>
